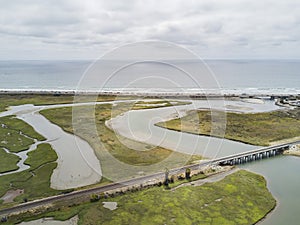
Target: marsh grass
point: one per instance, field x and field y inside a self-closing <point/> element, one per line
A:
<point x="36" y="180"/>
<point x="16" y="135"/>
<point x="251" y="128"/>
<point x="239" y="199"/>
<point x="7" y="100"/>
<point x="8" y="162"/>
<point x="95" y="116"/>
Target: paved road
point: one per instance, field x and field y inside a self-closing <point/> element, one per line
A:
<point x="136" y="181"/>
<point x="109" y="187"/>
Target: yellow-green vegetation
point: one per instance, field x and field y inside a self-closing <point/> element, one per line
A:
<point x="239" y="199"/>
<point x="63" y="117"/>
<point x="178" y="182"/>
<point x="8" y="162"/>
<point x="89" y="116"/>
<point x="254" y="128"/>
<point x="16" y="135"/>
<point x="7" y="100"/>
<point x="42" y="155"/>
<point x="157" y="104"/>
<point x="36" y="180"/>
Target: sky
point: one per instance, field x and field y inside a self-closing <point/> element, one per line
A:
<point x="76" y="29"/>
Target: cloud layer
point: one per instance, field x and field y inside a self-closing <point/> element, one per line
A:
<point x="32" y="29"/>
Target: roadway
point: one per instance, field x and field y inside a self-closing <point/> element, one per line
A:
<point x="132" y="182"/>
<point x="255" y="151"/>
<point x="96" y="190"/>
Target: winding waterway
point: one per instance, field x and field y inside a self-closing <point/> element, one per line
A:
<point x="77" y="167"/>
<point x="23" y="156"/>
<point x="140" y="125"/>
<point x="77" y="163"/>
<point x="280" y="172"/>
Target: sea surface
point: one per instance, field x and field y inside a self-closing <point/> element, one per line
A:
<point x="229" y="76"/>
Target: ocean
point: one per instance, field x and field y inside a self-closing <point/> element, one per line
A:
<point x="229" y="76"/>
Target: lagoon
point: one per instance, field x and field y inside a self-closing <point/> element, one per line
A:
<point x="280" y="172"/>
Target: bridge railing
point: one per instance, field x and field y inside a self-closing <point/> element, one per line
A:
<point x="264" y="150"/>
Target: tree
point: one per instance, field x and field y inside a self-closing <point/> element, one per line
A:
<point x="172" y="179"/>
<point x="166" y="181"/>
<point x="188" y="173"/>
<point x="94" y="198"/>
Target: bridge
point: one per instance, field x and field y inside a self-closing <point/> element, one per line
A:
<point x="227" y="160"/>
<point x="253" y="155"/>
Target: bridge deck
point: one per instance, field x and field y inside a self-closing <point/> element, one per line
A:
<point x="253" y="152"/>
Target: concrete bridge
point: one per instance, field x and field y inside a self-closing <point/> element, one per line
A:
<point x="253" y="155"/>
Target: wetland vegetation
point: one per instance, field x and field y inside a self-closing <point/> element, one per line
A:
<point x="240" y="198"/>
<point x="17" y="136"/>
<point x="251" y="128"/>
<point x="110" y="141"/>
<point x="35" y="181"/>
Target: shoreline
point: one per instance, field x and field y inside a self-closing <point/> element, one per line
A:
<point x="208" y="135"/>
<point x="166" y="94"/>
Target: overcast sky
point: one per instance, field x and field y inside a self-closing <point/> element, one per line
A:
<point x="76" y="29"/>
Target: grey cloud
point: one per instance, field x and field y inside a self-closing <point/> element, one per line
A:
<point x="214" y="27"/>
<point x="242" y="40"/>
<point x="210" y="25"/>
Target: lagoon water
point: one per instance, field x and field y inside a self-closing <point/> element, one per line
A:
<point x="282" y="175"/>
<point x="280" y="172"/>
<point x="233" y="76"/>
<point x="139" y="125"/>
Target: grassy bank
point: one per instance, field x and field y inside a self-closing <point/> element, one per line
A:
<point x="8" y="162"/>
<point x="36" y="180"/>
<point x="240" y="198"/>
<point x="112" y="143"/>
<point x="256" y="129"/>
<point x="157" y="104"/>
<point x="7" y="100"/>
<point x="12" y="100"/>
<point x="16" y="135"/>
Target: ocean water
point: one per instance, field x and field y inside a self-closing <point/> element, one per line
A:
<point x="41" y="74"/>
<point x="229" y="76"/>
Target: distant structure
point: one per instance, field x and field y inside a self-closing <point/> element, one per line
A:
<point x="292" y="101"/>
